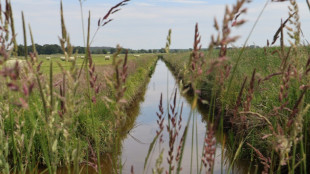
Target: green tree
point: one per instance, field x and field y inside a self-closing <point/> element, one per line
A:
<point x="162" y="50"/>
<point x="51" y="49"/>
<point x="98" y="51"/>
<point x="20" y="50"/>
<point x="112" y="50"/>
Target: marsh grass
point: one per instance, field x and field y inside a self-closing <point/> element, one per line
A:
<point x="47" y="121"/>
<point x="263" y="108"/>
<point x="57" y="114"/>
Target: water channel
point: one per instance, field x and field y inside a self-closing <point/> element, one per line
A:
<point x="136" y="144"/>
<point x="141" y="127"/>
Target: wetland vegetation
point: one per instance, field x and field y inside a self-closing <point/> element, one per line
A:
<point x="215" y="110"/>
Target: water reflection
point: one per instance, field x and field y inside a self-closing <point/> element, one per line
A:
<point x="135" y="146"/>
<point x="141" y="128"/>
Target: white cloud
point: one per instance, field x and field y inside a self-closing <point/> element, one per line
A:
<point x="186" y="1"/>
<point x="144" y="24"/>
<point x="145" y="4"/>
<point x="35" y="2"/>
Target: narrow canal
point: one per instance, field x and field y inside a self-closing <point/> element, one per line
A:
<point x="136" y="144"/>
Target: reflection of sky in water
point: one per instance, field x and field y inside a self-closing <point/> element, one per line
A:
<point x="134" y="153"/>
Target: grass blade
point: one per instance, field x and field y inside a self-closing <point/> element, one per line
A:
<point x="25" y="36"/>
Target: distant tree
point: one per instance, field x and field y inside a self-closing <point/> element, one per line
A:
<point x="162" y="50"/>
<point x="39" y="48"/>
<point x="112" y="50"/>
<point x="131" y="51"/>
<point x="46" y="49"/>
<point x="29" y="49"/>
<point x="123" y="51"/>
<point x="80" y="50"/>
<point x="143" y="51"/>
<point x="21" y="50"/>
<point x="98" y="51"/>
<point x="104" y="51"/>
<point x="51" y="49"/>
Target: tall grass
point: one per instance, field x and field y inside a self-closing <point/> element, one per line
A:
<point x="48" y="121"/>
<point x="275" y="104"/>
<point x="258" y="102"/>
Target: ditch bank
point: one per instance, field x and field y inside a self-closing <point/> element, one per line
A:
<point x="254" y="114"/>
<point x="110" y="139"/>
<point x="135" y="84"/>
<point x="222" y="120"/>
<point x="85" y="129"/>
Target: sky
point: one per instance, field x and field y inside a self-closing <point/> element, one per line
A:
<point x="144" y="24"/>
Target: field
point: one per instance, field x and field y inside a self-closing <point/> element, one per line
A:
<point x="74" y="113"/>
<point x="99" y="60"/>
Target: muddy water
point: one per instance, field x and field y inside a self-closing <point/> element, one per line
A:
<point x="137" y="142"/>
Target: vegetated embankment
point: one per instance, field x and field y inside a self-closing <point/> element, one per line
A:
<point x="68" y="118"/>
<point x="265" y="102"/>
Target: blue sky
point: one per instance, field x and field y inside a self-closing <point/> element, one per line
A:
<point x="144" y="24"/>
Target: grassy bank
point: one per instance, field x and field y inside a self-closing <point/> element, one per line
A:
<point x="260" y="111"/>
<point x="57" y="119"/>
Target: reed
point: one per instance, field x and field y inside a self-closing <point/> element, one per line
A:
<point x="73" y="118"/>
<point x="260" y="111"/>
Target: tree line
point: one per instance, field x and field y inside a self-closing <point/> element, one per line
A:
<point x="56" y="49"/>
